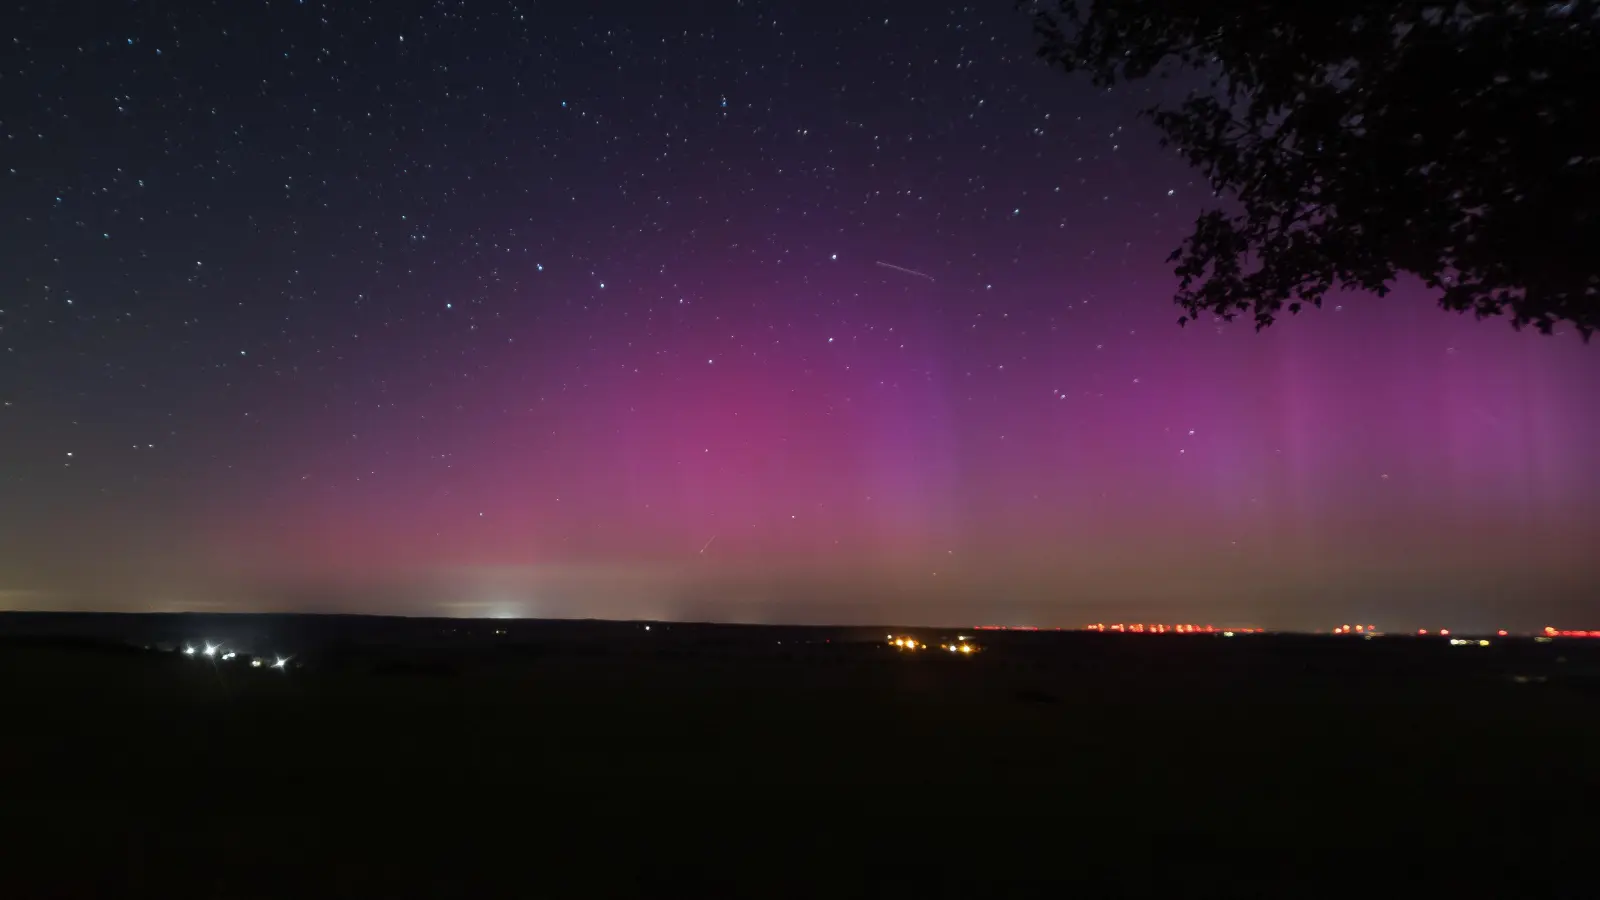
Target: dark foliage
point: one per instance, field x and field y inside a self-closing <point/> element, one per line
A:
<point x="1357" y="140"/>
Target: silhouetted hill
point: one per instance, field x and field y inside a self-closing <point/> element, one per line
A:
<point x="456" y="758"/>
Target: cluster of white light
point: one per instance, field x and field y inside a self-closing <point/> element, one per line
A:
<point x="1461" y="642"/>
<point x="212" y="651"/>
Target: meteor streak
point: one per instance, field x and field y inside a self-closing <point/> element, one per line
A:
<point x="708" y="544"/>
<point x="905" y="270"/>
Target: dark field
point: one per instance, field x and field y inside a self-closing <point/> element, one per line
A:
<point x="398" y="757"/>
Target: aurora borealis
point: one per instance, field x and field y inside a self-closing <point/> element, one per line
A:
<point x="751" y="311"/>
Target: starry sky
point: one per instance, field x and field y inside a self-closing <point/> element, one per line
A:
<point x="734" y="310"/>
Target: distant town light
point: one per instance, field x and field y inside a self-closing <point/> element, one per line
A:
<point x="188" y="651"/>
<point x="211" y="650"/>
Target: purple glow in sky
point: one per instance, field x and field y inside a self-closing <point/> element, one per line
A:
<point x="775" y="313"/>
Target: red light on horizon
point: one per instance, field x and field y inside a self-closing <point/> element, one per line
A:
<point x="1422" y="631"/>
<point x="1501" y="632"/>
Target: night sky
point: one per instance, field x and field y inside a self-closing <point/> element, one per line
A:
<point x="748" y="311"/>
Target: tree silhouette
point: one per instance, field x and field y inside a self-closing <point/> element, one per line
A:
<point x="1357" y="140"/>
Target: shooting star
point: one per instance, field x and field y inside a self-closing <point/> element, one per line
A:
<point x="905" y="270"/>
<point x="708" y="544"/>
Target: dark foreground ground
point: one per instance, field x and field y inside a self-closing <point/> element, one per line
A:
<point x="404" y="758"/>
